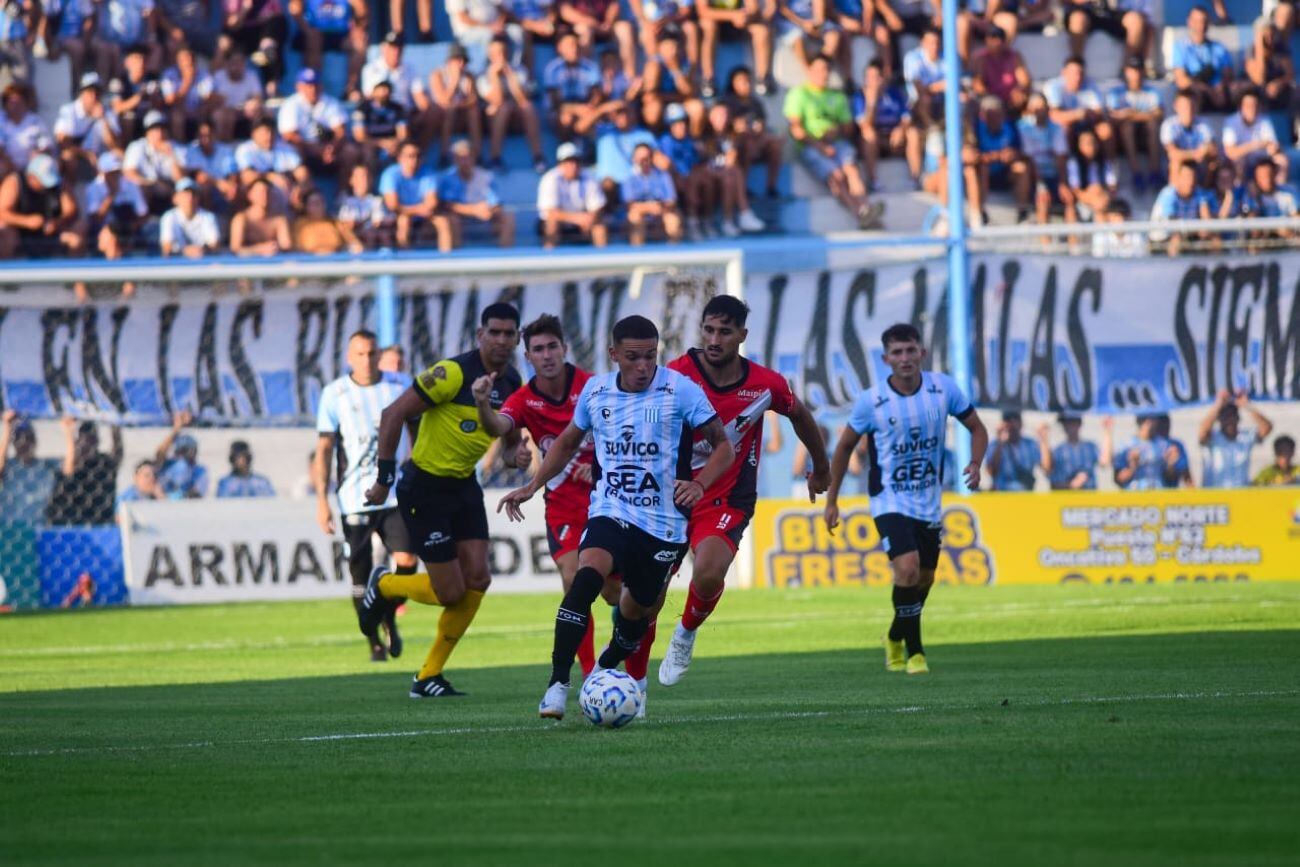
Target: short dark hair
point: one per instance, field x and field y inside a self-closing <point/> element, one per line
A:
<point x="900" y="332"/>
<point x="365" y="333"/>
<point x="1282" y="444"/>
<point x="499" y="310"/>
<point x="877" y="64"/>
<point x="1186" y="94"/>
<point x="727" y="307"/>
<point x="544" y="324"/>
<point x="1189" y="164"/>
<point x="240" y="447"/>
<point x="634" y="328"/>
<point x="148" y="463"/>
<point x="822" y="58"/>
<point x="1076" y="58"/>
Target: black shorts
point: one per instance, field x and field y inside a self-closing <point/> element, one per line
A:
<point x="901" y="534"/>
<point x="645" y="562"/>
<point x="1101" y="18"/>
<point x="358" y="529"/>
<point x="439" y="512"/>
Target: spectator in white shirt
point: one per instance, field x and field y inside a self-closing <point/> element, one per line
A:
<point x="408" y="89"/>
<point x="363" y="211"/>
<point x="239" y="98"/>
<point x="188" y="230"/>
<point x="315" y="124"/>
<point x="187" y="91"/>
<point x="115" y="207"/>
<point x="467" y="192"/>
<point x="474" y="23"/>
<point x="1248" y="136"/>
<point x="21" y="130"/>
<point x="212" y="165"/>
<point x="154" y="162"/>
<point x="570" y="201"/>
<point x="651" y="198"/>
<point x="1226" y="445"/>
<point x="504" y="88"/>
<point x="85" y="127"/>
<point x="263" y="156"/>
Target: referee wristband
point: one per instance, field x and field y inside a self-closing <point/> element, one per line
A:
<point x="387" y="472"/>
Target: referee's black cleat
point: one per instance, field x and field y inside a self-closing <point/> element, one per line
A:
<point x="394" y="637"/>
<point x="433" y="687"/>
<point x="374" y="607"/>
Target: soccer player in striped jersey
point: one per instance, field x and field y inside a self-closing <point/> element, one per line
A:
<point x="347" y="428"/>
<point x="1072" y="466"/>
<point x="643" y="419"/>
<point x="439" y="496"/>
<point x="741" y="391"/>
<point x="544" y="408"/>
<point x="905" y="420"/>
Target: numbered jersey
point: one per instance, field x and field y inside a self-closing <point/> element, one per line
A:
<point x="642" y="446"/>
<point x="740" y="408"/>
<point x="546" y="419"/>
<point x="905" y="443"/>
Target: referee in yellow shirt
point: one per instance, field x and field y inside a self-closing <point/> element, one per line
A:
<point x="439" y="496"/>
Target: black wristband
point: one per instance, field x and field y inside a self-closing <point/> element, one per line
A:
<point x="387" y="472"/>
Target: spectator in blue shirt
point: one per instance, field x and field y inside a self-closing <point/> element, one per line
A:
<point x="924" y="77"/>
<point x="685" y="161"/>
<point x="670" y="80"/>
<point x="571" y="82"/>
<point x="181" y="475"/>
<point x="1136" y="113"/>
<point x="1012" y="459"/>
<point x="468" y="192"/>
<point x="1149" y="462"/>
<point x="885" y="124"/>
<point x="1226" y="444"/>
<point x="1187" y="138"/>
<point x="1202" y="65"/>
<point x="332" y="25"/>
<point x="1043" y="141"/>
<point x="1091" y="178"/>
<point x="1266" y="198"/>
<point x="242" y="481"/>
<point x="144" y="487"/>
<point x="651" y="199"/>
<point x="1072" y="466"/>
<point x="412" y="195"/>
<point x="614" y="149"/>
<point x="1002" y="166"/>
<point x="1075" y="102"/>
<point x="1181" y="200"/>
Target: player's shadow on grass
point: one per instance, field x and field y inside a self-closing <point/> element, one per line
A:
<point x="1022" y="673"/>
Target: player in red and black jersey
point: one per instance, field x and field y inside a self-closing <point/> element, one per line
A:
<point x="544" y="408"/>
<point x="741" y="391"/>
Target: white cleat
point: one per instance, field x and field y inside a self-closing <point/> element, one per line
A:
<point x="552" y="706"/>
<point x="645" y="693"/>
<point x="678" y="657"/>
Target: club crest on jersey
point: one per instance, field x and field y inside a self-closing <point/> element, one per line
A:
<point x="652" y="415"/>
<point x="605" y="413"/>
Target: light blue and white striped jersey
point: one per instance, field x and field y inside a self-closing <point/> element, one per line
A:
<point x="1150" y="470"/>
<point x="1225" y="463"/>
<point x="1015" y="465"/>
<point x="1070" y="459"/>
<point x="251" y="485"/>
<point x="643" y="444"/>
<point x="351" y="413"/>
<point x="905" y="443"/>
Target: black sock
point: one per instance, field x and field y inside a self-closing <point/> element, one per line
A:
<point x="627" y="636"/>
<point x="896" y="628"/>
<point x="907" y="617"/>
<point x="571" y="621"/>
<point x="925" y="592"/>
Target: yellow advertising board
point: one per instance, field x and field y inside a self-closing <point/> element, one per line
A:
<point x="1048" y="538"/>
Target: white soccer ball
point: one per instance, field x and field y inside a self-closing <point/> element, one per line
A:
<point x="610" y="698"/>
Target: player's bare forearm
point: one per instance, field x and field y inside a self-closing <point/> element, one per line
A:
<point x="979" y="437"/>
<point x="320" y="467"/>
<point x="558" y="456"/>
<point x="494" y="422"/>
<point x="840" y="462"/>
<point x="805" y="427"/>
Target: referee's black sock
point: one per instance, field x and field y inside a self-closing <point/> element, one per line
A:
<point x="571" y="621"/>
<point x="907" y="618"/>
<point x="627" y="637"/>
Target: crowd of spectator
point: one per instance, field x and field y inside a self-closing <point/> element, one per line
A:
<point x="182" y="138"/>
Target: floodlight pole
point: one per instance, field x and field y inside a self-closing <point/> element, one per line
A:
<point x="386" y="325"/>
<point x="959" y="336"/>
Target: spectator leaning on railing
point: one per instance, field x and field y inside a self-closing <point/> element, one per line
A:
<point x="1226" y="444"/>
<point x="1283" y="470"/>
<point x="242" y="481"/>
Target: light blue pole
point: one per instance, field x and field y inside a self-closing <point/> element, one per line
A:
<point x="959" y="347"/>
<point x="386" y="325"/>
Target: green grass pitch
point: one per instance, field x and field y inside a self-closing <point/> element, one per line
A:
<point x="1124" y="725"/>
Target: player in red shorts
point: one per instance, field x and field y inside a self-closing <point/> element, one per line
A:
<point x="741" y="391"/>
<point x="544" y="408"/>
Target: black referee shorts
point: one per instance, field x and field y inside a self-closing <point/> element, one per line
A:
<point x="359" y="527"/>
<point x="902" y="534"/>
<point x="645" y="562"/>
<point x="439" y="512"/>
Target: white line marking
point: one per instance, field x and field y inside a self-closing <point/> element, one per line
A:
<point x="991" y="705"/>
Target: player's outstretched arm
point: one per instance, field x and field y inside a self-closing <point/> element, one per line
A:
<point x="979" y="444"/>
<point x="409" y="403"/>
<point x="493" y="422"/>
<point x="839" y="466"/>
<point x="809" y="433"/>
<point x="688" y="492"/>
<point x="557" y="458"/>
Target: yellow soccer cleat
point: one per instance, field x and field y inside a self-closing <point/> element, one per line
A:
<point x="916" y="664"/>
<point x="895" y="655"/>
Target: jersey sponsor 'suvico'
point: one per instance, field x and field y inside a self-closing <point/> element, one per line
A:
<point x="642" y="445"/>
<point x="451" y="442"/>
<point x="546" y="419"/>
<point x="740" y="407"/>
<point x="350" y="413"/>
<point x="905" y="442"/>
